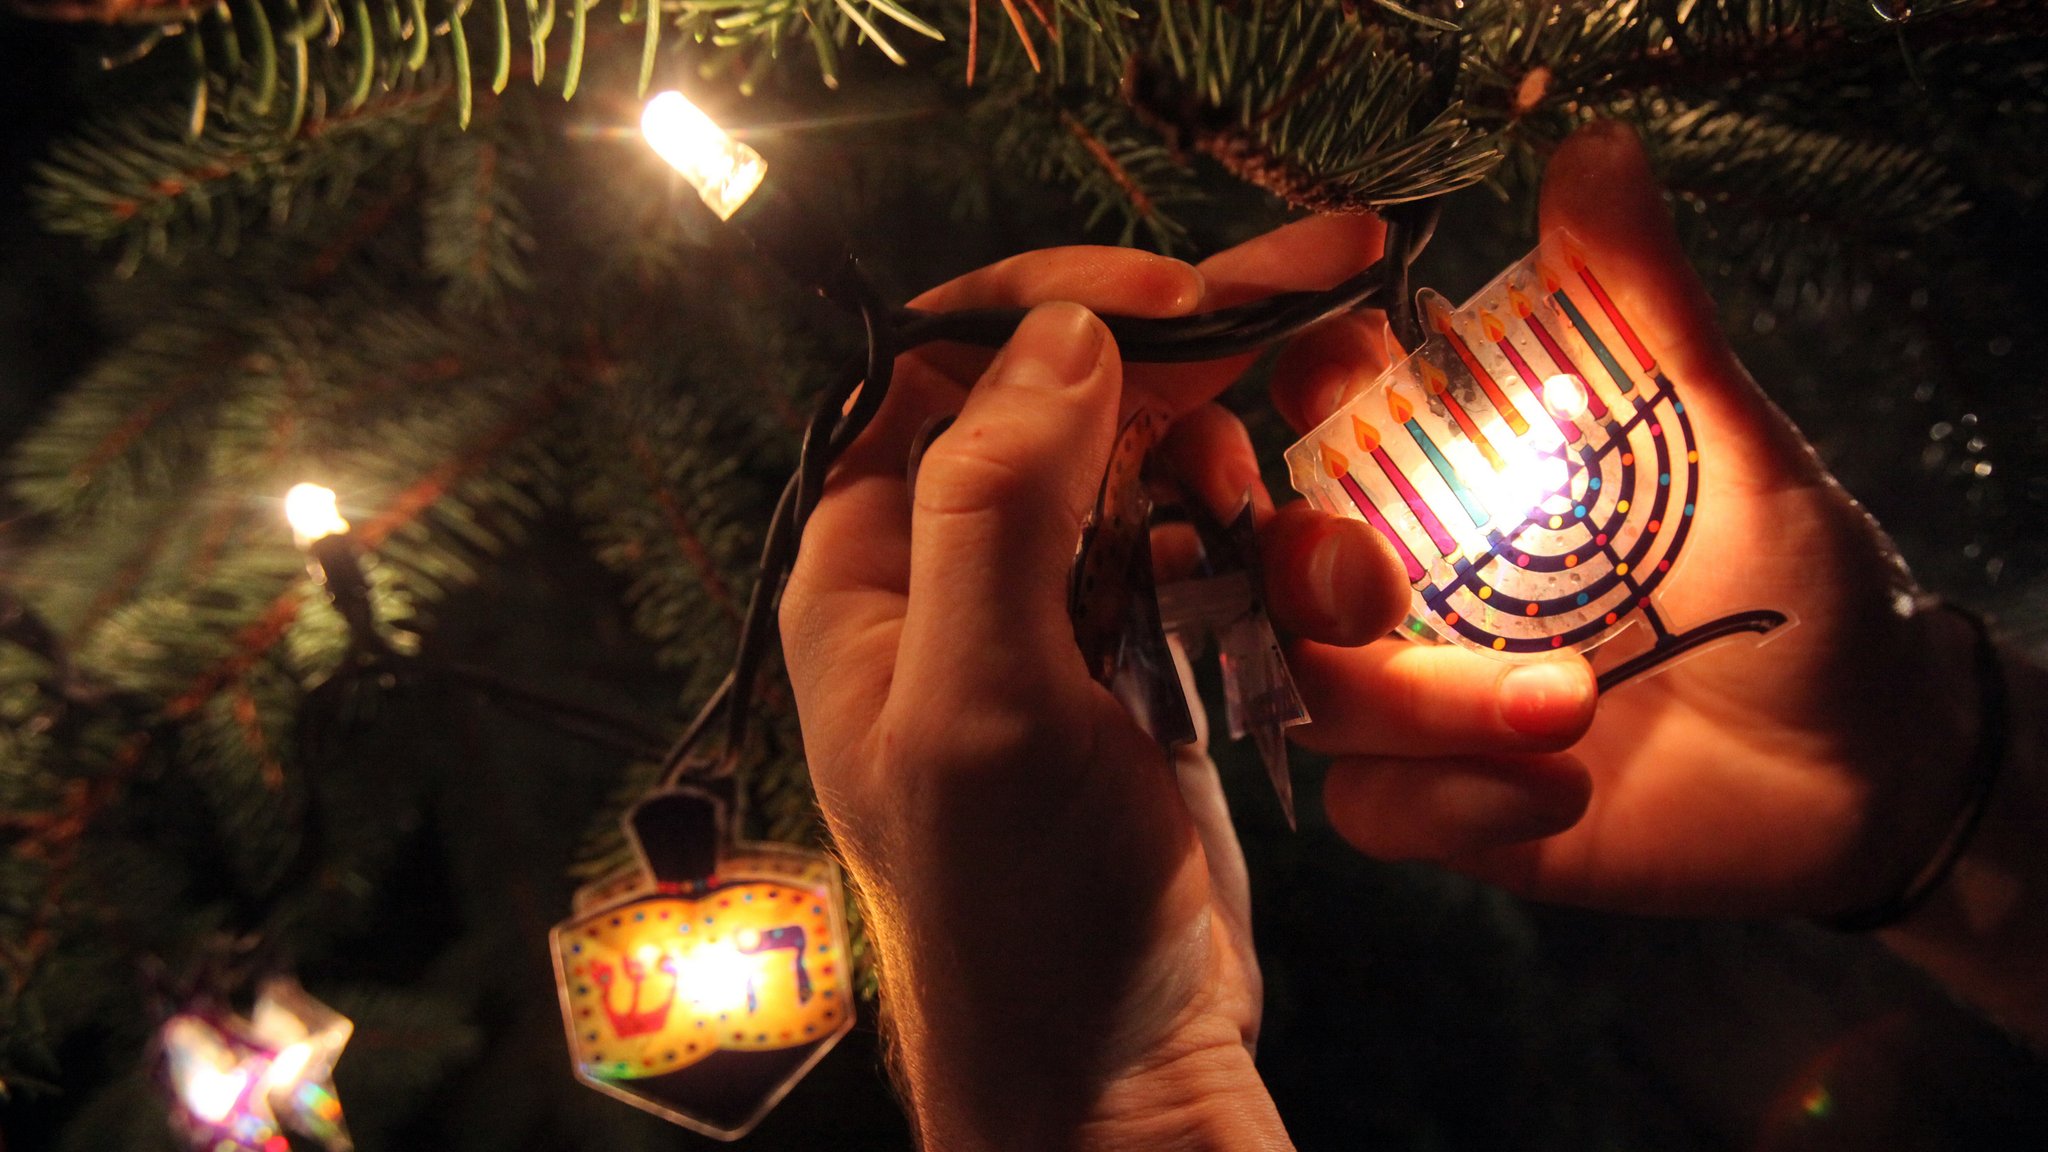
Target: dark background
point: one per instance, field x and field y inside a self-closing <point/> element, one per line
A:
<point x="1406" y="1008"/>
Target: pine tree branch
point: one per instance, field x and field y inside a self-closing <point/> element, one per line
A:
<point x="56" y="840"/>
<point x="57" y="844"/>
<point x="431" y="487"/>
<point x="140" y="179"/>
<point x="21" y="626"/>
<point x="257" y="638"/>
<point x="249" y="646"/>
<point x="124" y="435"/>
<point x="1759" y="170"/>
<point x="128" y="577"/>
<point x="1323" y="107"/>
<point x="249" y="722"/>
<point x="614" y="730"/>
<point x="220" y="526"/>
<point x="686" y="537"/>
<point x="1817" y="50"/>
<point x="368" y="224"/>
<point x="111" y="11"/>
<point x="1141" y="203"/>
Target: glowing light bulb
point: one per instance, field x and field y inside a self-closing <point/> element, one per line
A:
<point x="1522" y="485"/>
<point x="288" y="1065"/>
<point x="714" y="977"/>
<point x="722" y="170"/>
<point x="209" y="1078"/>
<point x="212" y="1095"/>
<point x="312" y="513"/>
<point x="1565" y="395"/>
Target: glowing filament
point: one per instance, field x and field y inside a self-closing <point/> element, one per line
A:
<point x="312" y="513"/>
<point x="722" y="170"/>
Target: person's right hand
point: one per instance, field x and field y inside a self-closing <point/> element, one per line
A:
<point x="1809" y="775"/>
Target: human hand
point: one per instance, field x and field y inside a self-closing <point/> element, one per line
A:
<point x="1809" y="776"/>
<point x="1063" y="931"/>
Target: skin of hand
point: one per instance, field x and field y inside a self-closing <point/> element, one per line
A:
<point x="1062" y="928"/>
<point x="1807" y="775"/>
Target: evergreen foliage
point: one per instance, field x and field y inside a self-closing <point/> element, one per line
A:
<point x="334" y="241"/>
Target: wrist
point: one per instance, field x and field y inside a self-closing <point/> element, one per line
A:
<point x="1936" y="783"/>
<point x="1195" y="1090"/>
<point x="1984" y="931"/>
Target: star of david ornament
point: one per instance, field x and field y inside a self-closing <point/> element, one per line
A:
<point x="702" y="984"/>
<point x="237" y="1084"/>
<point x="1227" y="601"/>
<point x="1534" y="468"/>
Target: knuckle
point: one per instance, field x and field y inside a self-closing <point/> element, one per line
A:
<point x="967" y="472"/>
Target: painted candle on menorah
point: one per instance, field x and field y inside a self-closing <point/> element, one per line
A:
<point x="1535" y="470"/>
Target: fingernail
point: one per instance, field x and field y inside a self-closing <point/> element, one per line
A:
<point x="1057" y="345"/>
<point x="1546" y="699"/>
<point x="1326" y="393"/>
<point x="1336" y="568"/>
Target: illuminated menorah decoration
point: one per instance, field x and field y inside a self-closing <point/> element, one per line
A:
<point x="1537" y="489"/>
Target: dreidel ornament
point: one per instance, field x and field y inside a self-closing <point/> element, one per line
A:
<point x="703" y="983"/>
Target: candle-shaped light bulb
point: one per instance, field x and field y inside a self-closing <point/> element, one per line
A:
<point x="722" y="170"/>
<point x="312" y="513"/>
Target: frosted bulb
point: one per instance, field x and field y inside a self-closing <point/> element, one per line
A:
<point x="1565" y="395"/>
<point x="722" y="170"/>
<point x="312" y="513"/>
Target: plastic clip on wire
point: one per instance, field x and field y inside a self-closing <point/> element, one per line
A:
<point x="728" y="175"/>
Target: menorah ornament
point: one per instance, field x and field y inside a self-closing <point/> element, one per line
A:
<point x="1535" y="470"/>
<point x="703" y="983"/>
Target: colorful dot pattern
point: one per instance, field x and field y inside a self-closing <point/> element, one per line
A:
<point x="783" y="1000"/>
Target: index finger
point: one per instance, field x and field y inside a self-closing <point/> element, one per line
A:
<point x="1121" y="280"/>
<point x="1106" y="281"/>
<point x="1315" y="254"/>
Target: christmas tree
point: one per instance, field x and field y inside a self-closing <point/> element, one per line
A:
<point x="417" y="253"/>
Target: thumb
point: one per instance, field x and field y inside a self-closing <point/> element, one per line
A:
<point x="998" y="510"/>
<point x="1599" y="187"/>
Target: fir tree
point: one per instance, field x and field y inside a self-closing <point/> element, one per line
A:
<point x="405" y="248"/>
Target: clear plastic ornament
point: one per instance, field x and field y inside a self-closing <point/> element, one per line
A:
<point x="1534" y="468"/>
<point x="236" y="1084"/>
<point x="703" y="983"/>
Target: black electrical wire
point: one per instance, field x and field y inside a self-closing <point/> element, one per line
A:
<point x="1177" y="340"/>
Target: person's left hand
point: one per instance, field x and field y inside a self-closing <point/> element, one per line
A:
<point x="1063" y="937"/>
